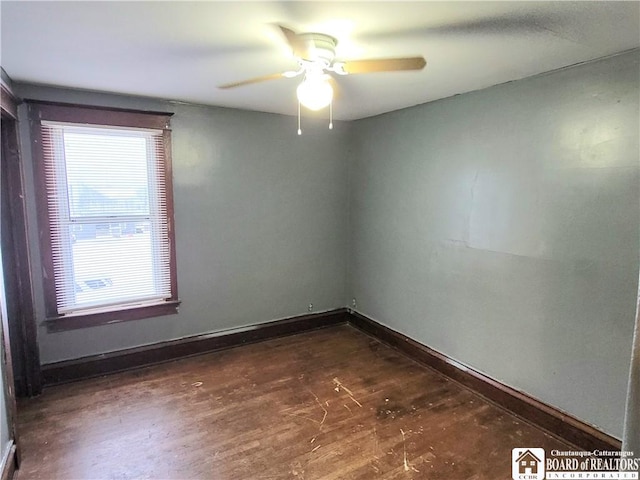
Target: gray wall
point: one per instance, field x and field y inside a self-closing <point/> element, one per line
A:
<point x="261" y="223"/>
<point x="501" y="228"/>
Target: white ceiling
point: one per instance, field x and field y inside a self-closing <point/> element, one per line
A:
<point x="182" y="50"/>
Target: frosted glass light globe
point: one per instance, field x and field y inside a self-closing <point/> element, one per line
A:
<point x="315" y="93"/>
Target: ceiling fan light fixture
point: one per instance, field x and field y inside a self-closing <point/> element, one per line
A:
<point x="315" y="92"/>
<point x="338" y="67"/>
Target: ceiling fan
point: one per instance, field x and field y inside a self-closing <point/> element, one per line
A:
<point x="315" y="53"/>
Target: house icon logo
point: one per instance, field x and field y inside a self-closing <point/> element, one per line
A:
<point x="527" y="463"/>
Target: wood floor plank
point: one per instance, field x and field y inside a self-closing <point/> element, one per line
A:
<point x="322" y="405"/>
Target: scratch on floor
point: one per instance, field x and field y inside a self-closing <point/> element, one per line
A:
<point x="407" y="466"/>
<point x="347" y="407"/>
<point x="302" y="416"/>
<point x="376" y="447"/>
<point x="339" y="386"/>
<point x="316" y="448"/>
<point x="324" y="417"/>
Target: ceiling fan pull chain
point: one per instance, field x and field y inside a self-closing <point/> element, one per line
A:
<point x="299" y="130"/>
<point x="331" y="115"/>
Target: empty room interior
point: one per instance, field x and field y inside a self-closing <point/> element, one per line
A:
<point x="320" y="240"/>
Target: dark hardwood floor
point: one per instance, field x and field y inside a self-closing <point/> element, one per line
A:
<point x="328" y="404"/>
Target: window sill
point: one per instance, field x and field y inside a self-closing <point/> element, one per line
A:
<point x="73" y="322"/>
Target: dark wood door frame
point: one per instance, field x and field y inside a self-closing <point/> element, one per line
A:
<point x="21" y="324"/>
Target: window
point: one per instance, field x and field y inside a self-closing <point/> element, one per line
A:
<point x="105" y="214"/>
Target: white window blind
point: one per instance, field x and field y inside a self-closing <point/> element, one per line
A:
<point x="108" y="216"/>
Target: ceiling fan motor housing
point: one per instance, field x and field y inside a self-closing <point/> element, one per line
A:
<point x="321" y="48"/>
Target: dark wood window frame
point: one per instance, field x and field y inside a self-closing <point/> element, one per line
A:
<point x="81" y="114"/>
